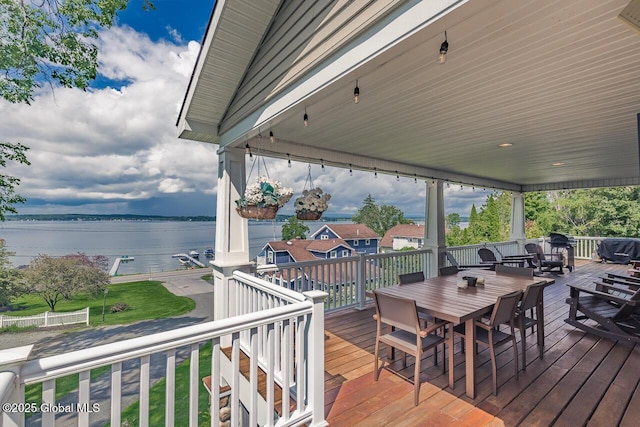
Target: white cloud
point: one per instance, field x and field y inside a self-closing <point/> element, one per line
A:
<point x="116" y="142"/>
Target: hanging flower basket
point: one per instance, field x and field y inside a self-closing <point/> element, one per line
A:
<point x="312" y="204"/>
<point x="255" y="212"/>
<point x="262" y="199"/>
<point x="306" y="215"/>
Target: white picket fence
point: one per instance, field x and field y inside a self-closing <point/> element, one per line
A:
<point x="46" y="319"/>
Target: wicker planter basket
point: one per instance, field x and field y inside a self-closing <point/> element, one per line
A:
<point x="308" y="215"/>
<point x="255" y="212"/>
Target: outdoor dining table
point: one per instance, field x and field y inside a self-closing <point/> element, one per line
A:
<point x="441" y="298"/>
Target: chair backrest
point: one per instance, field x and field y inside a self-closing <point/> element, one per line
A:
<point x="514" y="271"/>
<point x="505" y="308"/>
<point x="398" y="312"/>
<point x="535" y="249"/>
<point x="448" y="270"/>
<point x="626" y="310"/>
<point x="487" y="255"/>
<point x="407" y="278"/>
<point x="451" y="259"/>
<point x="532" y="296"/>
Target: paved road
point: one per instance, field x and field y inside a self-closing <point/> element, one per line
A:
<point x="182" y="283"/>
<point x="46" y="343"/>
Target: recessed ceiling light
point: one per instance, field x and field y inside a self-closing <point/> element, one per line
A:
<point x="506" y="144"/>
<point x="557" y="164"/>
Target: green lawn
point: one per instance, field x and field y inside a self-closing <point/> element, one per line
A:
<point x="157" y="396"/>
<point x="146" y="300"/>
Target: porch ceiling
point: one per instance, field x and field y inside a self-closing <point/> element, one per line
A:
<point x="558" y="79"/>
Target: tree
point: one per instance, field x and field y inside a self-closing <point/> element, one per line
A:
<point x="294" y="228"/>
<point x="48" y="41"/>
<point x="51" y="41"/>
<point x="9" y="278"/>
<point x="58" y="278"/>
<point x="452" y="220"/>
<point x="379" y="218"/>
<point x="8" y="183"/>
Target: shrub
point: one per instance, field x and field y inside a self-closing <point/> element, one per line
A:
<point x="119" y="306"/>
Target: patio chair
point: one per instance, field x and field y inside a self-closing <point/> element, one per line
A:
<point x="514" y="271"/>
<point x="418" y="276"/>
<point x="448" y="270"/>
<point x="489" y="333"/>
<point x="634" y="270"/>
<point x="487" y="256"/>
<point x="406" y="278"/>
<point x="453" y="261"/>
<point x="401" y="314"/>
<point x="544" y="264"/>
<point x="531" y="300"/>
<point x="607" y="310"/>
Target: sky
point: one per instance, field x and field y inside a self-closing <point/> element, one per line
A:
<point x="113" y="149"/>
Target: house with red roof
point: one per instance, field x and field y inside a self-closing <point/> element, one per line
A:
<point x="360" y="237"/>
<point x="403" y="236"/>
<point x="298" y="250"/>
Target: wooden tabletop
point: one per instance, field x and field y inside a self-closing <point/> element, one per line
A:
<point x="441" y="298"/>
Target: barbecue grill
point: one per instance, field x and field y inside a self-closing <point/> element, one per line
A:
<point x="563" y="244"/>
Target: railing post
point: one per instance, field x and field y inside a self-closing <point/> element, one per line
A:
<point x="11" y="388"/>
<point x="316" y="357"/>
<point x="46" y="319"/>
<point x="87" y="310"/>
<point x="361" y="281"/>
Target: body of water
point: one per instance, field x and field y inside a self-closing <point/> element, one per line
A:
<point x="151" y="243"/>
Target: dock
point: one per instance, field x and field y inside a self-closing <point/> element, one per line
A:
<point x="192" y="260"/>
<point x="114" y="268"/>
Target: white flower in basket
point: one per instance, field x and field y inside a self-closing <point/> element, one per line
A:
<point x="312" y="200"/>
<point x="265" y="192"/>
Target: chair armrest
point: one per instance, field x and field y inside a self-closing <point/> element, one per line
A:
<point x="483" y="325"/>
<point x="431" y="328"/>
<point x="576" y="289"/>
<point x="605" y="286"/>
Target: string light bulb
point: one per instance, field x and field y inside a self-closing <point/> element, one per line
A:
<point x="350" y="170"/>
<point x="247" y="149"/>
<point x="444" y="48"/>
<point x="271" y="137"/>
<point x="289" y="161"/>
<point x="375" y="173"/>
<point x="305" y="118"/>
<point x="397" y="177"/>
<point x="415" y="178"/>
<point x="356" y="94"/>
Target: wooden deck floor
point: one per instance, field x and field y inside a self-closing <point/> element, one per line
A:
<point x="582" y="379"/>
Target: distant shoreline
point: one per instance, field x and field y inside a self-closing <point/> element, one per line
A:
<point x="108" y="217"/>
<point x="129" y="217"/>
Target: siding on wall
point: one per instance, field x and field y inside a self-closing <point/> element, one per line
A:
<point x="302" y="34"/>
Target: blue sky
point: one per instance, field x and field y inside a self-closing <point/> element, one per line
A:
<point x="114" y="148"/>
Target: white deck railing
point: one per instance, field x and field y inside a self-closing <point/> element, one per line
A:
<point x="346" y="280"/>
<point x="272" y="326"/>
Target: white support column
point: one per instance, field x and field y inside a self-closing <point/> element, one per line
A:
<point x="434" y="237"/>
<point x="316" y="357"/>
<point x="518" y="220"/>
<point x="232" y="232"/>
